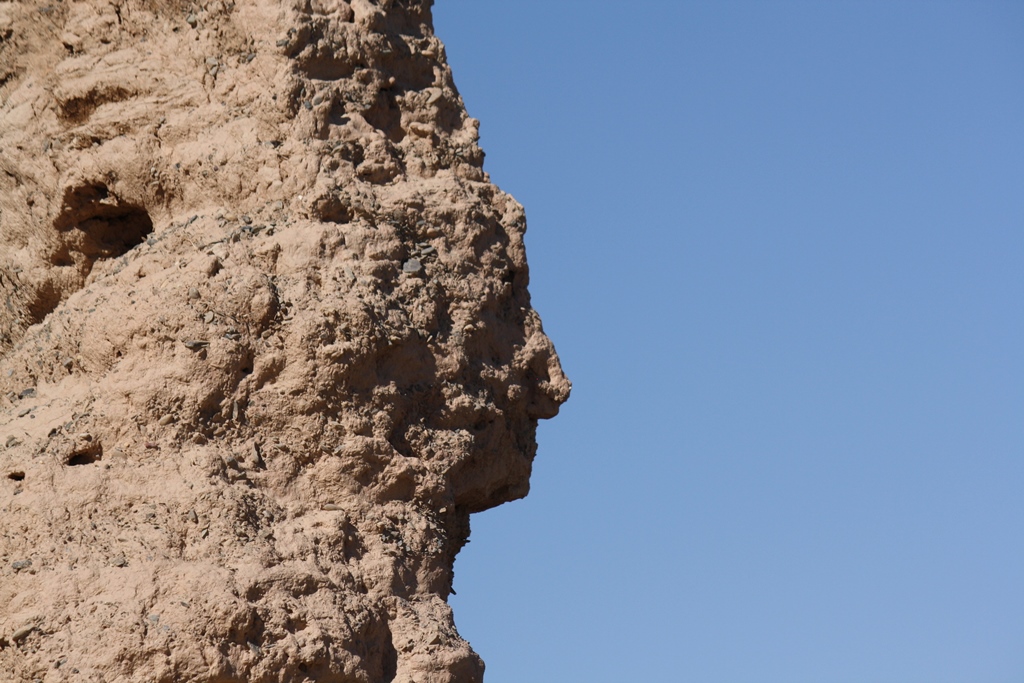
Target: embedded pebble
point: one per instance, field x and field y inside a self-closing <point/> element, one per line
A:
<point x="412" y="266"/>
<point x="422" y="129"/>
<point x="211" y="267"/>
<point x="22" y="632"/>
<point x="165" y="420"/>
<point x="21" y="564"/>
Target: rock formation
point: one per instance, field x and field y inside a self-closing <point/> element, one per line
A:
<point x="265" y="343"/>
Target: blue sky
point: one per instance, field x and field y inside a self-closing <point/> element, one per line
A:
<point x="780" y="248"/>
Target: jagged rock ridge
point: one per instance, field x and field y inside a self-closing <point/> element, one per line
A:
<point x="265" y="343"/>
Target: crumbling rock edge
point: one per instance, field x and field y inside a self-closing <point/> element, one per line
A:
<point x="265" y="343"/>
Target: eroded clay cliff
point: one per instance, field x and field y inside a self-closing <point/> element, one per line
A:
<point x="265" y="343"/>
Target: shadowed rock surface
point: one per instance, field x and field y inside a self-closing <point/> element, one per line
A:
<point x="265" y="343"/>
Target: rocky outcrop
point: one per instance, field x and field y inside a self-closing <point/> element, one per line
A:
<point x="265" y="343"/>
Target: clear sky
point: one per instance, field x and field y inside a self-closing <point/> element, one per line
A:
<point x="780" y="248"/>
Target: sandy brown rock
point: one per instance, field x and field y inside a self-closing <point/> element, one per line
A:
<point x="265" y="343"/>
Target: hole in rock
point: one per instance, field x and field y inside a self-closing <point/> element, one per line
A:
<point x="42" y="300"/>
<point x="84" y="458"/>
<point x="16" y="476"/>
<point x="99" y="225"/>
<point x="78" y="109"/>
<point x="327" y="67"/>
<point x="386" y="116"/>
<point x="94" y="224"/>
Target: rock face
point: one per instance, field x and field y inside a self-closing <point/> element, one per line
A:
<point x="265" y="343"/>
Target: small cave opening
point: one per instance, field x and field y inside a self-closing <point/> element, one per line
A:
<point x="93" y="224"/>
<point x="98" y="224"/>
<point x="16" y="476"/>
<point x="85" y="457"/>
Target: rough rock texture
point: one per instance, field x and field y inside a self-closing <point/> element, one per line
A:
<point x="265" y="343"/>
